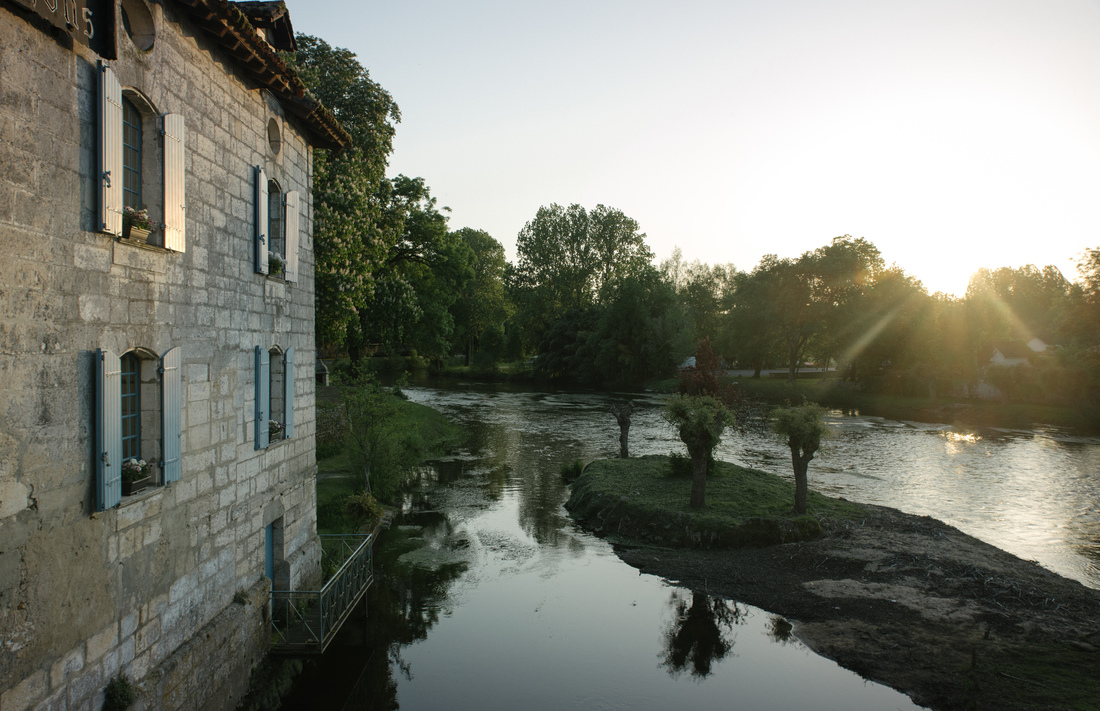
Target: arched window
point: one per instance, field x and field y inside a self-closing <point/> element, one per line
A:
<point x="131" y="155"/>
<point x="130" y="387"/>
<point x="274" y="395"/>
<point x="275" y="237"/>
<point x="277" y="393"/>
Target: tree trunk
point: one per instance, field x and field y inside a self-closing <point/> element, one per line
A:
<point x="698" y="480"/>
<point x="354" y="354"/>
<point x="622" y="416"/>
<point x="366" y="475"/>
<point x="800" y="462"/>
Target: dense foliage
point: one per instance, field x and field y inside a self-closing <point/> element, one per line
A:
<point x="584" y="296"/>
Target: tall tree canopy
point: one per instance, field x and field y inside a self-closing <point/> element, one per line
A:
<point x="568" y="256"/>
<point x="425" y="271"/>
<point x="481" y="305"/>
<point x="349" y="189"/>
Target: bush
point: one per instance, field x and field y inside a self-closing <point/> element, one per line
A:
<point x="364" y="507"/>
<point x="680" y="466"/>
<point x="119" y="695"/>
<point x="570" y="472"/>
<point x="330" y="430"/>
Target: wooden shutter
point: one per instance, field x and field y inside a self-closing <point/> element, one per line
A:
<point x="108" y="415"/>
<point x="261" y="240"/>
<point x="109" y="151"/>
<point x="171" y="409"/>
<point x="263" y="398"/>
<point x="175" y="202"/>
<point x="288" y="391"/>
<point x="291" y="241"/>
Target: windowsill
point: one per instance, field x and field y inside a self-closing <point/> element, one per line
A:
<point x="144" y="245"/>
<point x="146" y="493"/>
<point x="279" y="278"/>
<point x="276" y="442"/>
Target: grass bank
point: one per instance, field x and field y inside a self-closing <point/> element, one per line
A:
<point x="422" y="433"/>
<point x="642" y="498"/>
<point x="831" y="393"/>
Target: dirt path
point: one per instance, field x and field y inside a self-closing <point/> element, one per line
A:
<point x="916" y="604"/>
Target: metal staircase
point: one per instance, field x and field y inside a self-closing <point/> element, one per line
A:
<point x="303" y="622"/>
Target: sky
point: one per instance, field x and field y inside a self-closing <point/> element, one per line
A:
<point x="952" y="134"/>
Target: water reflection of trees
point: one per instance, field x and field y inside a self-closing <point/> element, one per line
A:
<point x="701" y="632"/>
<point x="781" y="630"/>
<point x="358" y="670"/>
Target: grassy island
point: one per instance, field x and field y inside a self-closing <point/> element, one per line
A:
<point x="647" y="499"/>
<point x="906" y="600"/>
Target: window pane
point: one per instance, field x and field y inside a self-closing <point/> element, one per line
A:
<point x="131" y="155"/>
<point x="131" y="408"/>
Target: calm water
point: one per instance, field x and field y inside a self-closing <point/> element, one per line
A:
<point x="489" y="597"/>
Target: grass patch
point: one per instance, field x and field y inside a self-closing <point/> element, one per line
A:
<point x="640" y="498"/>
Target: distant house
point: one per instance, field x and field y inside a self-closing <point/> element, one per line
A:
<point x="1006" y="353"/>
<point x="1037" y="345"/>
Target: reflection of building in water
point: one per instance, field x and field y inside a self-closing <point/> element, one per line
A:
<point x="140" y="320"/>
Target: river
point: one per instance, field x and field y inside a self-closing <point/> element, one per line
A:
<point x="489" y="597"/>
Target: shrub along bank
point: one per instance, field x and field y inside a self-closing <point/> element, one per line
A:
<point x="647" y="498"/>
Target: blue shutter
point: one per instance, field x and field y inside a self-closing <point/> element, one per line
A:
<point x="288" y="388"/>
<point x="291" y="241"/>
<point x="171" y="390"/>
<point x="261" y="241"/>
<point x="109" y="151"/>
<point x="174" y="193"/>
<point x="108" y="414"/>
<point x="263" y="397"/>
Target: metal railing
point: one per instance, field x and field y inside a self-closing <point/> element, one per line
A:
<point x="305" y="621"/>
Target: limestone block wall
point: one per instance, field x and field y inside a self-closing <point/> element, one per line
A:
<point x="86" y="594"/>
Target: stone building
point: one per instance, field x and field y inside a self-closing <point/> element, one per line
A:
<point x="191" y="348"/>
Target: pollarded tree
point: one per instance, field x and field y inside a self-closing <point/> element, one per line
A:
<point x="699" y="421"/>
<point x="803" y="428"/>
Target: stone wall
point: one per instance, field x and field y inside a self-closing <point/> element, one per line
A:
<point x="86" y="594"/>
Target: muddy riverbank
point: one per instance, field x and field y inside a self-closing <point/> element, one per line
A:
<point x="916" y="604"/>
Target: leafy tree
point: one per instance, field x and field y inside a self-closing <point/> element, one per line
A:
<point x="481" y="304"/>
<point x="566" y="258"/>
<point x="349" y="189"/>
<point x="803" y="428"/>
<point x="371" y="420"/>
<point x="748" y="334"/>
<point x="705" y="291"/>
<point x="568" y="348"/>
<point x="642" y="333"/>
<point x="423" y="275"/>
<point x="891" y="328"/>
<point x="840" y="275"/>
<point x="792" y="312"/>
<point x="699" y="421"/>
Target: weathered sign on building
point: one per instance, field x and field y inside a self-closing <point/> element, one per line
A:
<point x="89" y="22"/>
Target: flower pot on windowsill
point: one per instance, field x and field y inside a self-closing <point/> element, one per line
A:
<point x="129" y="488"/>
<point x="136" y="234"/>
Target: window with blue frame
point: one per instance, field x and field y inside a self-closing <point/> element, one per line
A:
<point x="131" y="155"/>
<point x="130" y="386"/>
